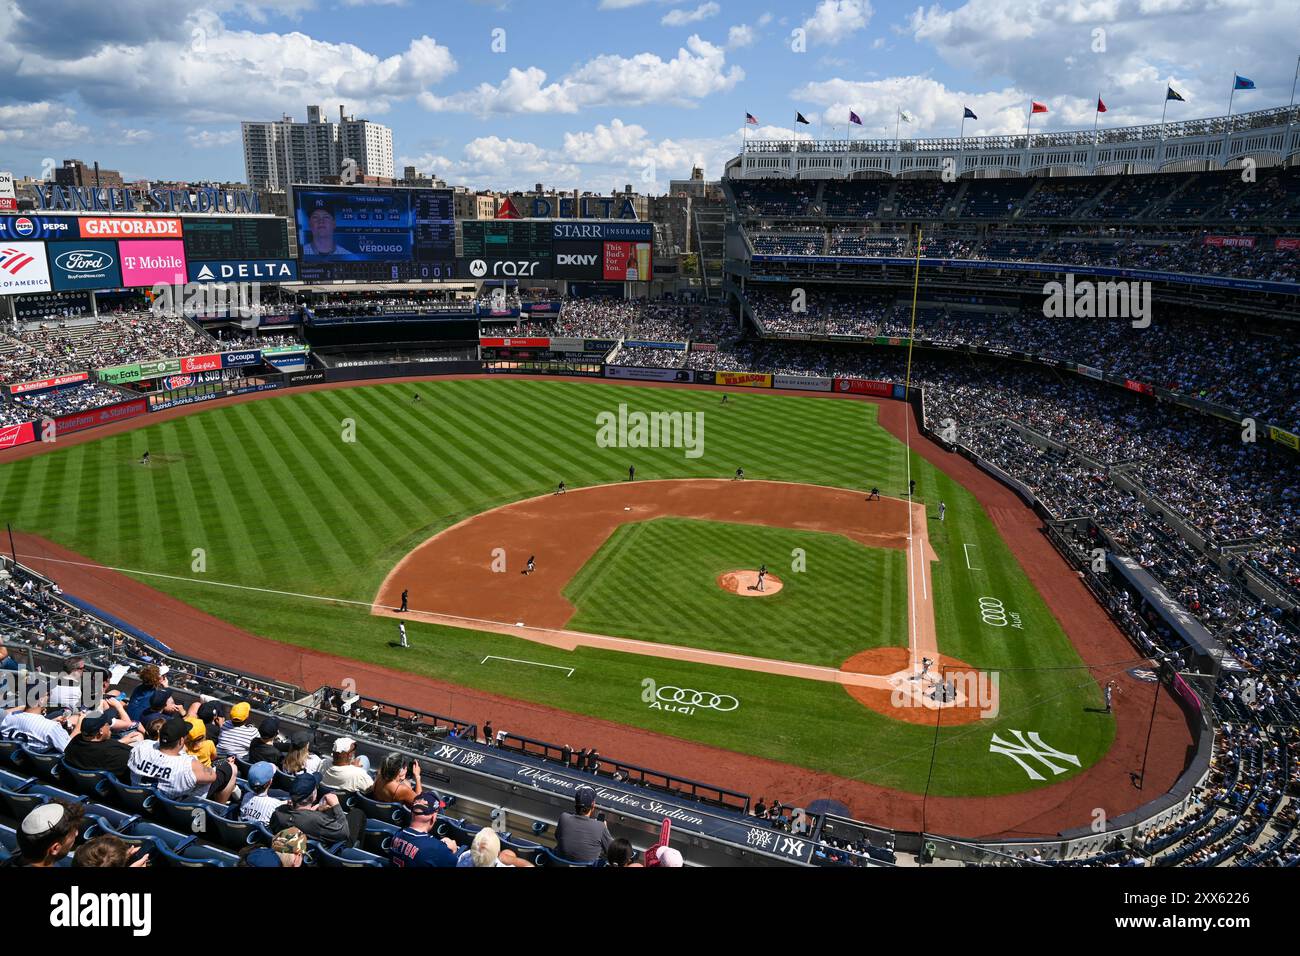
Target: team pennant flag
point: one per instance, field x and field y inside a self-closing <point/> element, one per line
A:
<point x="968" y="113"/>
<point x="905" y="116"/>
<point x="1101" y="107"/>
<point x="1242" y="83"/>
<point x="799" y="118"/>
<point x="1173" y="94"/>
<point x="1036" y="107"/>
<point x="855" y="118"/>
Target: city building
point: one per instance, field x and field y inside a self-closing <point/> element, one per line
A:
<point x="74" y="172"/>
<point x="283" y="152"/>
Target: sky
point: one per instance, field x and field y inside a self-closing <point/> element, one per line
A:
<point x="594" y="94"/>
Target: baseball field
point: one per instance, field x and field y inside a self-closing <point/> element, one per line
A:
<point x="256" y="512"/>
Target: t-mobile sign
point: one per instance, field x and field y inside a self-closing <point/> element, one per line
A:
<point x="147" y="262"/>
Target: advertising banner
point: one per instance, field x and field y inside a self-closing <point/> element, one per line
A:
<point x="118" y="374"/>
<point x="744" y="379"/>
<point x="650" y="344"/>
<point x="304" y="378"/>
<point x="1284" y="437"/>
<point x="200" y="363"/>
<point x="287" y="349"/>
<point x="568" y="345"/>
<point x="100" y="416"/>
<point x="533" y="343"/>
<point x="1239" y="242"/>
<point x="37" y="227"/>
<point x="627" y="262"/>
<point x="543" y="308"/>
<point x="8" y="200"/>
<point x="11" y="436"/>
<point x="1286" y="243"/>
<point x="578" y="260"/>
<point x="598" y="345"/>
<point x="649" y="374"/>
<point x="241" y="359"/>
<point x="1090" y="372"/>
<point x="146" y="263"/>
<point x="862" y="386"/>
<point x="1142" y="387"/>
<point x="129" y="227"/>
<point x="23" y="268"/>
<point x="243" y="270"/>
<point x="89" y="264"/>
<point x="157" y="367"/>
<point x="607" y="231"/>
<point x="805" y="382"/>
<point x="54" y="381"/>
<point x="172" y="382"/>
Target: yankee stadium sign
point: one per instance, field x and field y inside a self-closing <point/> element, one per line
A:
<point x="117" y="199"/>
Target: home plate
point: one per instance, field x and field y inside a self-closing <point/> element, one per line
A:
<point x="627" y="509"/>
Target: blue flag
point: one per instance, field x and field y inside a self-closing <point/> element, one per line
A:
<point x="1242" y="83"/>
<point x="1173" y="94"/>
<point x="968" y="113"/>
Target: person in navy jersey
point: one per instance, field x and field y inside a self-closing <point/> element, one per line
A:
<point x="416" y="846"/>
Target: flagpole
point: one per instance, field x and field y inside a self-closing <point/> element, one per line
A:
<point x="1096" y="115"/>
<point x="1232" y="94"/>
<point x="962" y="135"/>
<point x="1286" y="144"/>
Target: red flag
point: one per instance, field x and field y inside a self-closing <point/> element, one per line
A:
<point x="1036" y="107"/>
<point x="1101" y="107"/>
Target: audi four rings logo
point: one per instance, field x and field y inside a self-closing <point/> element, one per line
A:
<point x="992" y="612"/>
<point x="697" y="698"/>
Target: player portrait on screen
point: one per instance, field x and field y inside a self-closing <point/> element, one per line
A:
<point x="319" y="239"/>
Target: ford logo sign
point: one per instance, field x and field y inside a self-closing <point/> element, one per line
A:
<point x="83" y="260"/>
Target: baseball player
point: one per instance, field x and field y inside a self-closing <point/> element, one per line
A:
<point x="943" y="508"/>
<point x="875" y="494"/>
<point x="631" y="472"/>
<point x="911" y="488"/>
<point x="559" y="489"/>
<point x="144" y="459"/>
<point x="531" y="567"/>
<point x="762" y="574"/>
<point x="1110" y="693"/>
<point x="724" y="398"/>
<point x="403" y="607"/>
<point x="926" y="664"/>
<point x="740" y="475"/>
<point x="401" y="630"/>
<point x="415" y="398"/>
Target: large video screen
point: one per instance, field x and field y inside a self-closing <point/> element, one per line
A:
<point x="374" y="234"/>
<point x="580" y="250"/>
<point x="236" y="238"/>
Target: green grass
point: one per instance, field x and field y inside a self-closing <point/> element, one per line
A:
<point x="852" y="597"/>
<point x="276" y="499"/>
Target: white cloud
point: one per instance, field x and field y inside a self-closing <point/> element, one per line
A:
<point x="741" y="35"/>
<point x="835" y="20"/>
<point x="209" y="139"/>
<point x="680" y="18"/>
<point x="40" y="124"/>
<point x="698" y="70"/>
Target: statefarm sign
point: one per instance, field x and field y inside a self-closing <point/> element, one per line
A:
<point x="55" y="381"/>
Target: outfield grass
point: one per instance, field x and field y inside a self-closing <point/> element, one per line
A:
<point x="656" y="581"/>
<point x="275" y="498"/>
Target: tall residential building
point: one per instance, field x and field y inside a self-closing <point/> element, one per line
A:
<point x="283" y="152"/>
<point x="74" y="172"/>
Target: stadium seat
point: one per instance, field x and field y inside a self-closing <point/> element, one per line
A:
<point x="395" y="813"/>
<point x="192" y="855"/>
<point x="232" y="834"/>
<point x="44" y="763"/>
<point x="342" y="855"/>
<point x="181" y="815"/>
<point x="10" y="751"/>
<point x="90" y="783"/>
<point x="115" y="818"/>
<point x="378" y="836"/>
<point x="129" y="796"/>
<point x="9" y="839"/>
<point x="17" y="805"/>
<point x="548" y="857"/>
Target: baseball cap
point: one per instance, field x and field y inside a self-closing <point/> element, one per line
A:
<point x="212" y="709"/>
<point x="197" y="729"/>
<point x="263" y="856"/>
<point x="43" y="819"/>
<point x="269" y="727"/>
<point x="668" y="856"/>
<point x="94" y="723"/>
<point x="290" y="840"/>
<point x="173" y="729"/>
<point x="301" y="738"/>
<point x="304" y="785"/>
<point x="158" y="699"/>
<point x="343" y="744"/>
<point x="240" y="711"/>
<point x="585" y="798"/>
<point x="426" y="806"/>
<point x="261" y="773"/>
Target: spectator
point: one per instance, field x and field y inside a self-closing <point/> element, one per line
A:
<point x="348" y="772"/>
<point x="621" y="854"/>
<point x="47" y="834"/>
<point x="323" y="820"/>
<point x="415" y="846"/>
<point x="197" y="744"/>
<point x="109" y="851"/>
<point x="265" y="746"/>
<point x="177" y="775"/>
<point x="286" y="849"/>
<point x="486" y="850"/>
<point x="94" y="748"/>
<point x="31" y="727"/>
<point x="258" y="805"/>
<point x="151" y="679"/>
<point x="299" y="758"/>
<point x="237" y="735"/>
<point x="579" y="836"/>
<point x="390" y="783"/>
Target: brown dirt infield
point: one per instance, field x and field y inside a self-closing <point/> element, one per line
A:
<point x="745" y="584"/>
<point x="888" y="661"/>
<point x="1041" y="812"/>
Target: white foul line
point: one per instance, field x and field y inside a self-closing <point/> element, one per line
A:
<point x="965" y="548"/>
<point x="515" y="660"/>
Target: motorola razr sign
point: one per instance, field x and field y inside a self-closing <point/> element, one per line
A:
<point x="244" y="270"/>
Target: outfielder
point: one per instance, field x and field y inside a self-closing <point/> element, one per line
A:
<point x="401" y="630"/>
<point x="740" y="475"/>
<point x="559" y="489"/>
<point x="943" y="508"/>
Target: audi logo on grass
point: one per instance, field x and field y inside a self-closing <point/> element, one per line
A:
<point x="994" y="614"/>
<point x="684" y="700"/>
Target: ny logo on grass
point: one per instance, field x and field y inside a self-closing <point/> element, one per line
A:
<point x="1035" y="748"/>
<point x="626" y="429"/>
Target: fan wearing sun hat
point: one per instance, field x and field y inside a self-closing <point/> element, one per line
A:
<point x="238" y="734"/>
<point x="197" y="744"/>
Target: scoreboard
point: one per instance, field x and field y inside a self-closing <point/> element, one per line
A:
<point x="236" y="238"/>
<point x="506" y="239"/>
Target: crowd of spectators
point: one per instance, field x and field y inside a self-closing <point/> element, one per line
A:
<point x="88" y="344"/>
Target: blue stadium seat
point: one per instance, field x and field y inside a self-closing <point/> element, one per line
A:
<point x="395" y="813"/>
<point x="9" y="839"/>
<point x="548" y="857"/>
<point x="90" y="783"/>
<point x="14" y="781"/>
<point x="17" y="805"/>
<point x="181" y="815"/>
<point x="129" y="796"/>
<point x="232" y="834"/>
<point x="378" y="836"/>
<point x="192" y="855"/>
<point x="341" y="855"/>
<point x="114" y="817"/>
<point x="43" y="762"/>
<point x="10" y="753"/>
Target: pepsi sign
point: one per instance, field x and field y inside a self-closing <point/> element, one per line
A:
<point x="38" y="227"/>
<point x="87" y="264"/>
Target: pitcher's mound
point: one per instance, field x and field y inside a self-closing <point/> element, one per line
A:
<point x="745" y="583"/>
